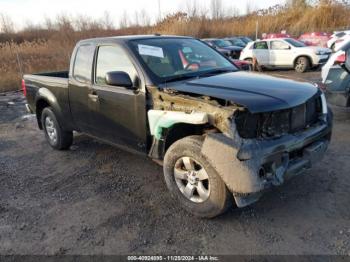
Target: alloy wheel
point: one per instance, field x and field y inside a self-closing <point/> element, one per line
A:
<point x="192" y="179"/>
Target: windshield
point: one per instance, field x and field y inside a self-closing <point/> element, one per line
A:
<point x="222" y="43"/>
<point x="171" y="59"/>
<point x="294" y="42"/>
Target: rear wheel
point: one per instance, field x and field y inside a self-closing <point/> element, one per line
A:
<point x="302" y="64"/>
<point x="55" y="135"/>
<point x="193" y="181"/>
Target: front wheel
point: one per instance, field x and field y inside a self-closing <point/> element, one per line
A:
<point x="55" y="135"/>
<point x="193" y="181"/>
<point x="302" y="64"/>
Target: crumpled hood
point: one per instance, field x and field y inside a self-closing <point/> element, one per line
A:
<point x="257" y="92"/>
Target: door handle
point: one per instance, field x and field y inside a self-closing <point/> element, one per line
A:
<point x="93" y="97"/>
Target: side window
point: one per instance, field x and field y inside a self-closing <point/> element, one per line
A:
<point x="279" y="45"/>
<point x="261" y="45"/>
<point x="113" y="58"/>
<point x="83" y="63"/>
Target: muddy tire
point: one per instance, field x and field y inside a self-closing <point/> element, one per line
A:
<point x="55" y="135"/>
<point x="193" y="181"/>
<point x="302" y="64"/>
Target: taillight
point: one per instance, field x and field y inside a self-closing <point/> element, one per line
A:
<point x="340" y="59"/>
<point x="24" y="89"/>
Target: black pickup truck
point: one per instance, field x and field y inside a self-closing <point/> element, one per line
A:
<point x="220" y="133"/>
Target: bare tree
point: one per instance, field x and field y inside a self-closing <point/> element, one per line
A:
<point x="299" y="3"/>
<point x="124" y="20"/>
<point x="192" y="9"/>
<point x="64" y="23"/>
<point x="136" y="21"/>
<point x="231" y="12"/>
<point x="249" y="8"/>
<point x="144" y="18"/>
<point x="107" y="21"/>
<point x="6" y="24"/>
<point x="49" y="24"/>
<point x="216" y="9"/>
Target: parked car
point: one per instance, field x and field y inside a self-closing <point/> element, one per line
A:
<point x="337" y="38"/>
<point x="236" y="41"/>
<point x="224" y="47"/>
<point x="285" y="53"/>
<point x="245" y="39"/>
<point x="336" y="78"/>
<point x="315" y="39"/>
<point x="220" y="133"/>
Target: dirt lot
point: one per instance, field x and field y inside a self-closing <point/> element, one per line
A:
<point x="96" y="199"/>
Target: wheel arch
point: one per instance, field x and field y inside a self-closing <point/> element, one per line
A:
<point x="309" y="58"/>
<point x="45" y="98"/>
<point x="167" y="127"/>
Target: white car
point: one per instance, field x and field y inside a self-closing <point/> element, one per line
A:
<point x="285" y="53"/>
<point x="337" y="38"/>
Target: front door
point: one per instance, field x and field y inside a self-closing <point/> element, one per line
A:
<point x="261" y="53"/>
<point x="119" y="114"/>
<point x="280" y="53"/>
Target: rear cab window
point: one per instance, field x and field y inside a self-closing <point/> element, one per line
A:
<point x="82" y="69"/>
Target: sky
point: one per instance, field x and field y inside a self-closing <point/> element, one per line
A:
<point x="35" y="11"/>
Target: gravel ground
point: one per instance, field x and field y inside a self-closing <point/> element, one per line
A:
<point x="96" y="199"/>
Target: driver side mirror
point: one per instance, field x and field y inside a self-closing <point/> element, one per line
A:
<point x="119" y="78"/>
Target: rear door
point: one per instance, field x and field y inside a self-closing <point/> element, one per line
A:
<point x="261" y="52"/>
<point x="80" y="86"/>
<point x="338" y="81"/>
<point x="280" y="53"/>
<point x="118" y="114"/>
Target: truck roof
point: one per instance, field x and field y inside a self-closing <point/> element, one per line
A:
<point x="128" y="38"/>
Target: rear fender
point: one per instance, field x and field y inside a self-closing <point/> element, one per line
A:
<point x="46" y="95"/>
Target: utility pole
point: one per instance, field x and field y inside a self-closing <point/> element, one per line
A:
<point x="256" y="30"/>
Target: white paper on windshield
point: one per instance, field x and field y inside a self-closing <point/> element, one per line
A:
<point x="151" y="51"/>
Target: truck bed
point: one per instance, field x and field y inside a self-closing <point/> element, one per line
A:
<point x="59" y="78"/>
<point x="55" y="83"/>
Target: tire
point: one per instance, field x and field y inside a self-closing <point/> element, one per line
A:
<point x="55" y="135"/>
<point x="302" y="64"/>
<point x="254" y="66"/>
<point x="201" y="177"/>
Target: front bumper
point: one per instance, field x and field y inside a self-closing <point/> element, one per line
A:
<point x="249" y="167"/>
<point x="322" y="59"/>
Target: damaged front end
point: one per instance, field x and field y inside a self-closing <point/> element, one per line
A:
<point x="267" y="149"/>
<point x="250" y="152"/>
